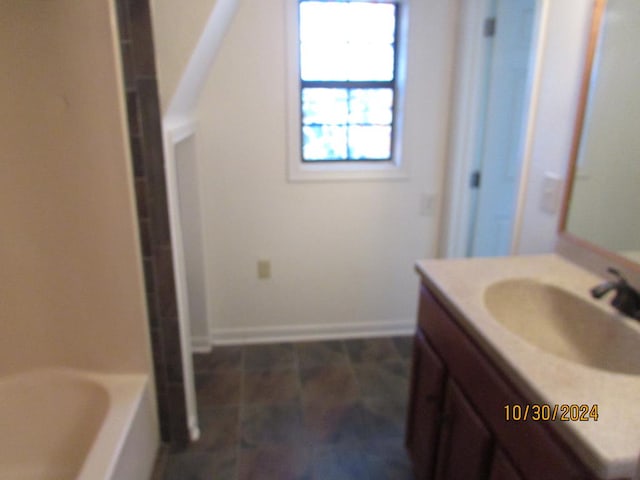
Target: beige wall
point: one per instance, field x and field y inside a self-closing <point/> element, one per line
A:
<point x="342" y="253"/>
<point x="71" y="287"/>
<point x="177" y="30"/>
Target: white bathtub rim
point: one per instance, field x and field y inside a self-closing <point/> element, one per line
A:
<point x="125" y="393"/>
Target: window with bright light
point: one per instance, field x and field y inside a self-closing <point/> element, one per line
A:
<point x="347" y="69"/>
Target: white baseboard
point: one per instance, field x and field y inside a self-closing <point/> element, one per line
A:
<point x="200" y="344"/>
<point x="298" y="333"/>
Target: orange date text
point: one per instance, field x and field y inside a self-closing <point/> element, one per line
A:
<point x="534" y="412"/>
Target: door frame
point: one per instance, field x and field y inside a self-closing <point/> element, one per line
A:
<point x="467" y="116"/>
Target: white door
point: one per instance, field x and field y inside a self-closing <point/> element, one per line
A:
<point x="506" y="108"/>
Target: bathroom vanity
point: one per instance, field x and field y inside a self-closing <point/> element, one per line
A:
<point x="484" y="392"/>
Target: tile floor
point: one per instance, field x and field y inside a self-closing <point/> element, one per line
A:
<point x="328" y="410"/>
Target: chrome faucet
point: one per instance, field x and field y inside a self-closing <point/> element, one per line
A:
<point x="627" y="298"/>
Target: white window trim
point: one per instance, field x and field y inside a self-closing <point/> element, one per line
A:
<point x="299" y="171"/>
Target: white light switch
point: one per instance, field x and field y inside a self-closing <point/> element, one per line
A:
<point x="552" y="189"/>
<point x="427" y="205"/>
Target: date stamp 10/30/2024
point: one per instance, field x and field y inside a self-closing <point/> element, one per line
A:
<point x="534" y="412"/>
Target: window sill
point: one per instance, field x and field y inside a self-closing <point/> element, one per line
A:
<point x="345" y="171"/>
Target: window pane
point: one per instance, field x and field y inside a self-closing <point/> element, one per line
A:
<point x="371" y="106"/>
<point x="369" y="61"/>
<point x="324" y="142"/>
<point x="353" y="61"/>
<point x="324" y="105"/>
<point x="325" y="61"/>
<point x="346" y="41"/>
<point x="370" y="143"/>
<point x="372" y="23"/>
<point x="343" y="22"/>
<point x="321" y="21"/>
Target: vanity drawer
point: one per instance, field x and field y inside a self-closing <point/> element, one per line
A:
<point x="532" y="446"/>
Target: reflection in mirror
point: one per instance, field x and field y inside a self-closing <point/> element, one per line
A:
<point x="605" y="193"/>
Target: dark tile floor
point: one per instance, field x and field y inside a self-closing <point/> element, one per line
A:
<point x="328" y="410"/>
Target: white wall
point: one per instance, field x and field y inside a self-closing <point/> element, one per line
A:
<point x="342" y="254"/>
<point x="71" y="287"/>
<point x="176" y="30"/>
<point x="563" y="58"/>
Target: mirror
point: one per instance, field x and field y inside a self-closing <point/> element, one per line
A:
<point x="603" y="193"/>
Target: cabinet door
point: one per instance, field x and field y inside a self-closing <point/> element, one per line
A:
<point x="424" y="416"/>
<point x="502" y="468"/>
<point x="464" y="452"/>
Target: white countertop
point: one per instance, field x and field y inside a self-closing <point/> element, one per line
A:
<point x="633" y="255"/>
<point x="610" y="446"/>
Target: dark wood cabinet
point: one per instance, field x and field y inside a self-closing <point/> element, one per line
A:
<point x="502" y="468"/>
<point x="456" y="425"/>
<point x="423" y="427"/>
<point x="465" y="443"/>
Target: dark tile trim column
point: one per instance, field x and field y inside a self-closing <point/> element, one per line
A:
<point x="145" y="136"/>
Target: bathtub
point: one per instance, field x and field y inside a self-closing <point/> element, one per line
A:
<point x="59" y="424"/>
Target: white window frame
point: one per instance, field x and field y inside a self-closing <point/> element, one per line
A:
<point x="299" y="171"/>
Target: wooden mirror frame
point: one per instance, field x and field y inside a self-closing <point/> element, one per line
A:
<point x="569" y="244"/>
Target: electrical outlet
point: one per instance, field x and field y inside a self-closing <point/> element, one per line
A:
<point x="264" y="269"/>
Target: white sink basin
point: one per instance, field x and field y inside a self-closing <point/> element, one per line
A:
<point x="559" y="322"/>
